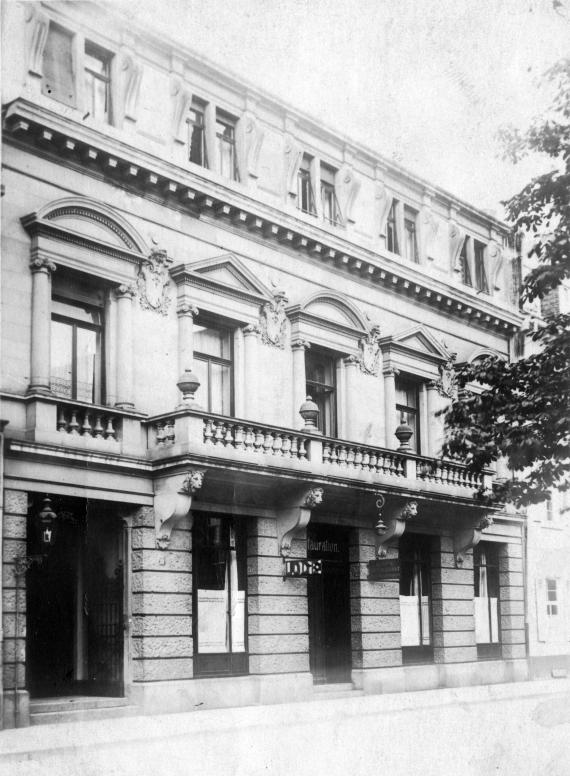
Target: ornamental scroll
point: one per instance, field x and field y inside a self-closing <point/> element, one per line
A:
<point x="153" y="282"/>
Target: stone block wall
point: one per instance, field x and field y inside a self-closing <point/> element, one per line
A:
<point x="374" y="606"/>
<point x="278" y="622"/>
<point x="511" y="601"/>
<point x="162" y="645"/>
<point x="453" y="618"/>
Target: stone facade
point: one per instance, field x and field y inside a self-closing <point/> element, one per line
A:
<point x="191" y="263"/>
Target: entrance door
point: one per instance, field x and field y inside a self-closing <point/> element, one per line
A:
<point x="75" y="605"/>
<point x="329" y="605"/>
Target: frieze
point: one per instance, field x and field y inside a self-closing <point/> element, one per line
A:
<point x="153" y="282"/>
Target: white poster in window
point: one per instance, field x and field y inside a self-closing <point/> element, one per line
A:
<point x="494" y="605"/>
<point x="212" y="621"/>
<point x="238" y="621"/>
<point x="409" y="620"/>
<point x="482" y="633"/>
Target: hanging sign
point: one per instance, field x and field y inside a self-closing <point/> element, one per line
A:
<point x="302" y="568"/>
<point x="384" y="570"/>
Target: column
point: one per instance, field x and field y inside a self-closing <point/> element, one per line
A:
<point x="125" y="347"/>
<point x="299" y="378"/>
<point x="434" y="423"/>
<point x="452" y="605"/>
<point x="41" y="318"/>
<point x="511" y="601"/>
<point x="390" y="407"/>
<point x="349" y="400"/>
<point x="187" y="380"/>
<point x="251" y="373"/>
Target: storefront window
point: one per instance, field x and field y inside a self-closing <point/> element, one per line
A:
<point x="415" y="605"/>
<point x="486" y="583"/>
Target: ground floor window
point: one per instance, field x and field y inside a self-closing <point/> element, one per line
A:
<point x="486" y="584"/>
<point x="220" y="597"/>
<point x="415" y="598"/>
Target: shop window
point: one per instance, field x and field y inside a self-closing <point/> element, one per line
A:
<point x="329" y="202"/>
<point x="415" y="595"/>
<point x="551" y="598"/>
<point x="197" y="134"/>
<point x="220" y="597"/>
<point x="226" y="145"/>
<point x="392" y="240"/>
<point x="320" y="369"/>
<point x="77" y="345"/>
<point x="58" y="81"/>
<point x="305" y="194"/>
<point x="407" y="408"/>
<point x="481" y="282"/>
<point x="486" y="584"/>
<point x="97" y="69"/>
<point x="411" y="234"/>
<point x="464" y="264"/>
<point x="213" y="366"/>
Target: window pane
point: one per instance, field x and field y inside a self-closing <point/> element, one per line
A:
<point x="220" y="388"/>
<point x="96" y="95"/>
<point x="200" y="369"/>
<point x="61" y="358"/>
<point x="480" y="273"/>
<point x="86" y="364"/>
<point x="212" y="341"/>
<point x="392" y="242"/>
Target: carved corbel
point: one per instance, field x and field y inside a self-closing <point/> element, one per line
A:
<point x="348" y="187"/>
<point x="251" y="141"/>
<point x="37" y="32"/>
<point x="387" y="534"/>
<point x="456" y="239"/>
<point x="181" y="103"/>
<point x="132" y="76"/>
<point x="494" y="261"/>
<point x="292" y="520"/>
<point x="465" y="540"/>
<point x="430" y="227"/>
<point x="172" y="505"/>
<point x="293" y="157"/>
<point x="383" y="202"/>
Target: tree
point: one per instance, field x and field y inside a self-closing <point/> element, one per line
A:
<point x="521" y="410"/>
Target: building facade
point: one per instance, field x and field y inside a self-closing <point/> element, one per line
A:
<point x="227" y="336"/>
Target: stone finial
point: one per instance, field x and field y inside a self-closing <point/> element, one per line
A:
<point x="309" y="411"/>
<point x="188" y="383"/>
<point x="404" y="432"/>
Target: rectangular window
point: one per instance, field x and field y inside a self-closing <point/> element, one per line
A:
<point x="392" y="241"/>
<point x="76" y="351"/>
<point x="97" y="65"/>
<point x="551" y="598"/>
<point x="549" y="510"/>
<point x="305" y="195"/>
<point x="486" y="592"/>
<point x="220" y="595"/>
<point x="464" y="264"/>
<point x="331" y="209"/>
<point x="213" y="366"/>
<point x="410" y="234"/>
<point x="197" y="134"/>
<point x="226" y="141"/>
<point x="58" y="76"/>
<point x="321" y="386"/>
<point x="407" y="408"/>
<point x="415" y="604"/>
<point x="481" y="283"/>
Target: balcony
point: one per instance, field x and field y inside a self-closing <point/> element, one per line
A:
<point x="231" y="442"/>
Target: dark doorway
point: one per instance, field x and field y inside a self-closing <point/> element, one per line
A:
<point x="329" y="605"/>
<point x="75" y="594"/>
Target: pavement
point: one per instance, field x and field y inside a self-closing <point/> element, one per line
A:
<point x="497" y="730"/>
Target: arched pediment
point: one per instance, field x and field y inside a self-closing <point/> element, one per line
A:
<point x="91" y="219"/>
<point x="333" y="307"/>
<point x="481" y="353"/>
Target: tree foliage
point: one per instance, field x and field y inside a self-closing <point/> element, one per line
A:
<point x="521" y="410"/>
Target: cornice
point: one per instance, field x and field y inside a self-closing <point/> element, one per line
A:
<point x="87" y="149"/>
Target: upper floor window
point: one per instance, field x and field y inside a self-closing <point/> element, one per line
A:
<point x="464" y="264"/>
<point x="551" y="597"/>
<point x="213" y="366"/>
<point x="305" y="195"/>
<point x="320" y="370"/>
<point x="58" y="81"/>
<point x="486" y="592"/>
<point x="410" y="234"/>
<point x="97" y="68"/>
<point x="329" y="202"/>
<point x="407" y="408"/>
<point x="76" y="351"/>
<point x="226" y="142"/>
<point x="197" y="134"/>
<point x="481" y="282"/>
<point x="392" y="241"/>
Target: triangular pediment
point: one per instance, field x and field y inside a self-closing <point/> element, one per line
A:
<point x="229" y="271"/>
<point x="421" y="340"/>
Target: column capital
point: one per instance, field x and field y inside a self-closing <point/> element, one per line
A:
<point x="251" y="329"/>
<point x="433" y="385"/>
<point x="187" y="309"/>
<point x="351" y="361"/>
<point x="125" y="291"/>
<point x="42" y="264"/>
<point x="390" y="371"/>
<point x="300" y="344"/>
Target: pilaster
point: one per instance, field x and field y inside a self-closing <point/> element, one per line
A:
<point x="251" y="372"/>
<point x="42" y="269"/>
<point x="125" y="344"/>
<point x="299" y="377"/>
<point x="390" y="407"/>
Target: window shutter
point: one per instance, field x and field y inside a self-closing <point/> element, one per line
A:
<point x="541" y="617"/>
<point x="58" y="81"/>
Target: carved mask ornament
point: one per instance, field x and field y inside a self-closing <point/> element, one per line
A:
<point x="447" y="383"/>
<point x="272" y="320"/>
<point x="153" y="282"/>
<point x="370" y="352"/>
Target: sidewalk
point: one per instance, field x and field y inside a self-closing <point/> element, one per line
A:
<point x="498" y="729"/>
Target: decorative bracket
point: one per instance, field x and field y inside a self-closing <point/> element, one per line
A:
<point x="292" y="520"/>
<point x="468" y="538"/>
<point x="171" y="506"/>
<point x="387" y="534"/>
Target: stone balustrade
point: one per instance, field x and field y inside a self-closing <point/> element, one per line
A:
<point x="373" y="459"/>
<point x="446" y="473"/>
<point x="97" y="423"/>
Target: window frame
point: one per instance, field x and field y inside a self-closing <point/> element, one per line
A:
<point x="305" y="180"/>
<point x="198" y="107"/>
<point x="415" y="384"/>
<point x="228" y="121"/>
<point x="552" y="603"/>
<point x="416" y="550"/>
<point x="316" y="389"/>
<point x="488" y="650"/>
<point x="106" y="58"/>
<point x="222" y="326"/>
<point x="393" y="229"/>
<point x="330" y="212"/>
<point x="408" y="210"/>
<point x="480" y="273"/>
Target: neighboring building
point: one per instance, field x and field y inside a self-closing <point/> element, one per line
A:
<point x="185" y="260"/>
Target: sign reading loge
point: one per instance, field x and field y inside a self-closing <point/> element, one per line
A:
<point x="384" y="570"/>
<point x="303" y="568"/>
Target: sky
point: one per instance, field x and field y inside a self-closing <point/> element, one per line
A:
<point x="424" y="82"/>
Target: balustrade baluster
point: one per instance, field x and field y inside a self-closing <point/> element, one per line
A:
<point x="286" y="446"/>
<point x="86" y="425"/>
<point x="110" y="431"/>
<point x="98" y="430"/>
<point x="258" y="440"/>
<point x="74" y="425"/>
<point x="208" y="431"/>
<point x="61" y="421"/>
<point x="302" y="448"/>
<point x="326" y="453"/>
<point x="229" y="436"/>
<point x="239" y="437"/>
<point x="296" y="443"/>
<point x="373" y="461"/>
<point x="249" y="438"/>
<point x="350" y="456"/>
<point x="358" y="458"/>
<point x="277" y="444"/>
<point x="267" y="442"/>
<point x="218" y="432"/>
<point x="159" y="428"/>
<point x="365" y="463"/>
<point x="169" y="432"/>
<point x="342" y="456"/>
